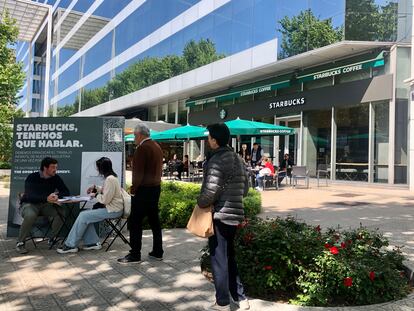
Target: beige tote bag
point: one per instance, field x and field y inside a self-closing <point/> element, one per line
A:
<point x="201" y="222"/>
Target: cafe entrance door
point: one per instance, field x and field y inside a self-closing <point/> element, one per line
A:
<point x="290" y="144"/>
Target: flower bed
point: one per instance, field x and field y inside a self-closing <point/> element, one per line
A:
<point x="283" y="259"/>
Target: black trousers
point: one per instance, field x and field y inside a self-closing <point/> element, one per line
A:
<point x="145" y="204"/>
<point x="223" y="263"/>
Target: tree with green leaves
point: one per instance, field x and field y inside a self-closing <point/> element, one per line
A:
<point x="367" y="21"/>
<point x="11" y="80"/>
<point x="305" y="32"/>
<point x="146" y="72"/>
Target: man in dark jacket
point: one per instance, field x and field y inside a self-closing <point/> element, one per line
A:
<point x="146" y="188"/>
<point x="41" y="192"/>
<point x="224" y="185"/>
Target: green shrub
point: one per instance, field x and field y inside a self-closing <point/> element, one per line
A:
<point x="284" y="258"/>
<point x="178" y="199"/>
<point x="252" y="203"/>
<point x="5" y="165"/>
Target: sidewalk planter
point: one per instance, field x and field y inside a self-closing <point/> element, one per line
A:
<point x="283" y="259"/>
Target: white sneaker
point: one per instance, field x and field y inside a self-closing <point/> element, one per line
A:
<point x="96" y="246"/>
<point x="244" y="304"/>
<point x="216" y="307"/>
<point x="259" y="188"/>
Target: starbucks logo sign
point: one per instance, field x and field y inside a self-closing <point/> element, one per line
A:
<point x="223" y="114"/>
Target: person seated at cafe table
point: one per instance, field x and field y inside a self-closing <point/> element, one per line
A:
<point x="110" y="205"/>
<point x="285" y="168"/>
<point x="41" y="193"/>
<point x="266" y="170"/>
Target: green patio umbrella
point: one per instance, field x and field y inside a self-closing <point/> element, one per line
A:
<point x="131" y="137"/>
<point x="253" y="128"/>
<point x="181" y="133"/>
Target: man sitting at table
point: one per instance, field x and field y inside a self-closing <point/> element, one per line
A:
<point x="41" y="192"/>
<point x="285" y="168"/>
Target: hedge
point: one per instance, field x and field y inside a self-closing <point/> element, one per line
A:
<point x="178" y="199"/>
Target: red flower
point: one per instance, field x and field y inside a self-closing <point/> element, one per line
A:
<point x="402" y="274"/>
<point x="327" y="245"/>
<point x="372" y="275"/>
<point x="348" y="281"/>
<point x="343" y="245"/>
<point x="349" y="242"/>
<point x="268" y="267"/>
<point x="318" y="228"/>
<point x="334" y="250"/>
<point x="243" y="224"/>
<point x="248" y="237"/>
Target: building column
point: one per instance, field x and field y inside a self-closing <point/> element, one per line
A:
<point x="333" y="145"/>
<point x="47" y="65"/>
<point x="176" y="113"/>
<point x="29" y="81"/>
<point x="276" y="145"/>
<point x="371" y="135"/>
<point x="300" y="159"/>
<point x="411" y="111"/>
<point x="57" y="61"/>
<point x="391" y="117"/>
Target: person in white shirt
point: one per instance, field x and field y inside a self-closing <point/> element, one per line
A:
<point x="110" y="205"/>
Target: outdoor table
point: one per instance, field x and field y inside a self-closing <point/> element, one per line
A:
<point x="352" y="170"/>
<point x="70" y="202"/>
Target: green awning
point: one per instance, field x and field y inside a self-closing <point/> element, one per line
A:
<point x="370" y="63"/>
<point x="232" y="95"/>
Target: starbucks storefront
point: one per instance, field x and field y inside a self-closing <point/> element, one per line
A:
<point x="344" y="128"/>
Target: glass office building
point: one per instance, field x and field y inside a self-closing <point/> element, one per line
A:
<point x="183" y="61"/>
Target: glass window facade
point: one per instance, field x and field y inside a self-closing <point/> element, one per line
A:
<point x="352" y="143"/>
<point x="317" y="140"/>
<point x="150" y="44"/>
<point x="381" y="141"/>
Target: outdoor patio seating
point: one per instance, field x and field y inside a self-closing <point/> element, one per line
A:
<point x="323" y="171"/>
<point x="40" y="228"/>
<point x="271" y="181"/>
<point x="300" y="172"/>
<point x="116" y="226"/>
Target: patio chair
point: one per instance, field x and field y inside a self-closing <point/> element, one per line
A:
<point x="300" y="172"/>
<point x="270" y="181"/>
<point x="323" y="171"/>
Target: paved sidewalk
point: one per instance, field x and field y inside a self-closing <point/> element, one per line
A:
<point x="45" y="280"/>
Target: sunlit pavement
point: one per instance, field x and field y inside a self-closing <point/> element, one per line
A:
<point x="93" y="280"/>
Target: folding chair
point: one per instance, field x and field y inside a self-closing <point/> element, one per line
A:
<point x="116" y="227"/>
<point x="38" y="226"/>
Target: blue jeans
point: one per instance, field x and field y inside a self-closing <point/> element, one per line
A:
<point x="259" y="181"/>
<point x="84" y="228"/>
<point x="223" y="263"/>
